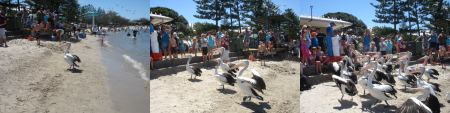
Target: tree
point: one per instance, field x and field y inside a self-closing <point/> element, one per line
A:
<point x="438" y="10"/>
<point x="383" y="31"/>
<point x="70" y="10"/>
<point x="257" y="11"/>
<point x="179" y="23"/>
<point x="210" y="9"/>
<point x="357" y="26"/>
<point x="388" y="11"/>
<point x="203" y="27"/>
<point x="291" y="26"/>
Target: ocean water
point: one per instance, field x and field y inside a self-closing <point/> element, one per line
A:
<point x="127" y="65"/>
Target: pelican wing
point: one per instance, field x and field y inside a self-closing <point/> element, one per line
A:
<point x="413" y="104"/>
<point x="229" y="78"/>
<point x="260" y="84"/>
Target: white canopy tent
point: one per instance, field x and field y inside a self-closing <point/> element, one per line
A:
<point x="323" y="22"/>
<point x="159" y="19"/>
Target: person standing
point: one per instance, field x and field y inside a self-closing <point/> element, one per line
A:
<point x="211" y="45"/>
<point x="173" y="46"/>
<point x="399" y="42"/>
<point x="165" y="41"/>
<point x="2" y="29"/>
<point x="204" y="45"/>
<point x="389" y="45"/>
<point x="329" y="40"/>
<point x="377" y="41"/>
<point x="366" y="41"/>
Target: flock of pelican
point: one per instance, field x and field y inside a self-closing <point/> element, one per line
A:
<point x="248" y="86"/>
<point x="377" y="77"/>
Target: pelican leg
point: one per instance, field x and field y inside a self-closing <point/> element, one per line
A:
<point x="387" y="104"/>
<point x="342" y="95"/>
<point x="223" y="86"/>
<point x="364" y="91"/>
<point x="191" y="76"/>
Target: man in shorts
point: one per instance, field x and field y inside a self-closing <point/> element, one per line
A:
<point x="2" y="29"/>
<point x="204" y="45"/>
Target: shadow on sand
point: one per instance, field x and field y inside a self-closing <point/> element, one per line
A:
<point x="226" y="91"/>
<point x="372" y="105"/>
<point x="75" y="70"/>
<point x="195" y="80"/>
<point x="255" y="107"/>
<point x="345" y="104"/>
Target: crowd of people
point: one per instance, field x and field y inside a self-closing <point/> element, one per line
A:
<point x="316" y="48"/>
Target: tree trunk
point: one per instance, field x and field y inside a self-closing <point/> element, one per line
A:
<point x="238" y="17"/>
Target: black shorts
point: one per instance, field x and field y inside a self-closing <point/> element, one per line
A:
<point x="204" y="50"/>
<point x="383" y="52"/>
<point x="434" y="46"/>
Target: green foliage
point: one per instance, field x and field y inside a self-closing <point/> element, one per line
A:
<point x="179" y="23"/>
<point x="203" y="27"/>
<point x="358" y="27"/>
<point x="210" y="9"/>
<point x="383" y="31"/>
<point x="291" y="26"/>
<point x="388" y="11"/>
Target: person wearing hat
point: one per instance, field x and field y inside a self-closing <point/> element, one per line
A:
<point x="329" y="41"/>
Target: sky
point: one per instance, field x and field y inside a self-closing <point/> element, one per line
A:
<point x="359" y="8"/>
<point x="131" y="9"/>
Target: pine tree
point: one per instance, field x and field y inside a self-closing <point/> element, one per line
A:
<point x="210" y="9"/>
<point x="388" y="11"/>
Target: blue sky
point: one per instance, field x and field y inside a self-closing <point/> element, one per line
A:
<point x="131" y="9"/>
<point x="359" y="8"/>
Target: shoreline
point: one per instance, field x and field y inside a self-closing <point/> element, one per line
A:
<point x="35" y="79"/>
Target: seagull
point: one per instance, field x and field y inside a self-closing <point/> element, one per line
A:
<point x="193" y="70"/>
<point x="249" y="85"/>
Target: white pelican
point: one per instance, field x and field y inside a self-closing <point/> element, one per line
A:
<point x="345" y="85"/>
<point x="421" y="83"/>
<point x="249" y="85"/>
<point x="224" y="78"/>
<point x="381" y="92"/>
<point x="71" y="58"/>
<point x="413" y="105"/>
<point x="428" y="98"/>
<point x="193" y="70"/>
<point x="226" y="67"/>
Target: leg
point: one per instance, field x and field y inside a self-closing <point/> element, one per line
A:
<point x="386" y="102"/>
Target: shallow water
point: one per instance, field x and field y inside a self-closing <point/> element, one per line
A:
<point x="126" y="60"/>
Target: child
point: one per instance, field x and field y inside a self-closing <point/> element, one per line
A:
<point x="316" y="57"/>
<point x="182" y="47"/>
<point x="261" y="52"/>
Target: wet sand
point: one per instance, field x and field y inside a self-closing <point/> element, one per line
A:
<point x="36" y="79"/>
<point x="177" y="93"/>
<point x="325" y="98"/>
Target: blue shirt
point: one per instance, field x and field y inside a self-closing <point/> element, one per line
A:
<point x="165" y="38"/>
<point x="314" y="42"/>
<point x="268" y="37"/>
<point x="330" y="31"/>
<point x="211" y="41"/>
<point x="389" y="45"/>
<point x="448" y="41"/>
<point x="366" y="40"/>
<point x="151" y="28"/>
<point x="434" y="38"/>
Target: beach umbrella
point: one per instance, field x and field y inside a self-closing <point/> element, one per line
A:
<point x="159" y="19"/>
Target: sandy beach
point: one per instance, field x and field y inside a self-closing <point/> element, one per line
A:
<point x="35" y="79"/>
<point x="176" y="93"/>
<point x="325" y="97"/>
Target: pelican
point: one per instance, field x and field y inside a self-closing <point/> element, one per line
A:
<point x="193" y="70"/>
<point x="381" y="92"/>
<point x="226" y="67"/>
<point x="428" y="98"/>
<point x="448" y="97"/>
<point x="431" y="74"/>
<point x="406" y="78"/>
<point x="249" y="85"/>
<point x="413" y="105"/>
<point x="224" y="78"/>
<point x="345" y="85"/>
<point x="421" y="83"/>
<point x="70" y="58"/>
